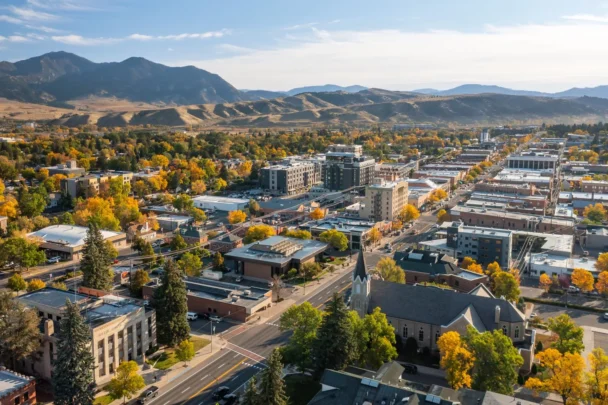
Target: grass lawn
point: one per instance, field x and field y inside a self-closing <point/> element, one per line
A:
<point x="103" y="400"/>
<point x="167" y="359"/>
<point x="300" y="388"/>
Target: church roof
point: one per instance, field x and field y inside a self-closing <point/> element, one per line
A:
<point x="360" y="269"/>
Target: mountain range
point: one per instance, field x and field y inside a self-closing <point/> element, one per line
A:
<point x="599" y="91"/>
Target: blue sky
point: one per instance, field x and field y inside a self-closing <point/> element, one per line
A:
<point x="277" y="45"/>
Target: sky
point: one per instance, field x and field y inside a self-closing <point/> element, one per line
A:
<point x="546" y="45"/>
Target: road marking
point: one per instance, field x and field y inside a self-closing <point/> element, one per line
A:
<point x="221" y="365"/>
<point x="235" y="356"/>
<point x="339" y="291"/>
<point x="205" y="376"/>
<point x="240" y="350"/>
<point x="187" y="388"/>
<point x="218" y="378"/>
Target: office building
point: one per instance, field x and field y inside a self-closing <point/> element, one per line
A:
<point x="344" y="170"/>
<point x="92" y="184"/>
<point x="289" y="179"/>
<point x="484" y="136"/>
<point x="69" y="169"/>
<point x="486" y="245"/>
<point x="532" y="161"/>
<point x="384" y="200"/>
<point x="356" y="230"/>
<point x="339" y="148"/>
<point x="211" y="202"/>
<point x="393" y="171"/>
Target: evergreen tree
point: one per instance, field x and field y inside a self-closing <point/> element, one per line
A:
<point x="251" y="395"/>
<point x="272" y="387"/>
<point x="171" y="305"/>
<point x="73" y="382"/>
<point x="96" y="261"/>
<point x="335" y="345"/>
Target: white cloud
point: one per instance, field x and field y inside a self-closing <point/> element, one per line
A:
<point x="86" y="41"/>
<point x="29" y="14"/>
<point x="179" y="37"/>
<point x="14" y="38"/>
<point x="37" y="37"/>
<point x="550" y="57"/>
<point x="301" y="26"/>
<point x="9" y="19"/>
<point x="43" y="28"/>
<point x="73" y="5"/>
<point x="234" y="48"/>
<point x="78" y="40"/>
<point x="587" y="17"/>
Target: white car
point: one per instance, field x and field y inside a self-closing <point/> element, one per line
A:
<point x="215" y="318"/>
<point x="54" y="260"/>
<point x="606" y="316"/>
<point x="192" y="316"/>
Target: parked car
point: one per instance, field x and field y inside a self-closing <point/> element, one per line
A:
<point x="148" y="394"/>
<point x="231" y="399"/>
<point x="239" y="279"/>
<point x="573" y="289"/>
<point x="53" y="260"/>
<point x="192" y="316"/>
<point x="410" y="369"/>
<point x="606" y="317"/>
<point x="220" y="392"/>
<point x="215" y="318"/>
<point x="205" y="315"/>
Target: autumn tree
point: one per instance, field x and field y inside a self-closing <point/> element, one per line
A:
<point x="493" y="268"/>
<point x="138" y="280"/>
<point x="466" y="262"/>
<point x="298" y="234"/>
<point x="569" y="334"/>
<point x="303" y="321"/>
<point x="190" y="264"/>
<point x="198" y="187"/>
<point x="335" y="238"/>
<point x="258" y="232"/>
<point x="374" y="236"/>
<point x="98" y="210"/>
<point x="16" y="283"/>
<point x="178" y="243"/>
<point x="35" y="284"/>
<point x="596" y="379"/>
<point x="236" y="217"/>
<point x="218" y="262"/>
<point x="602" y="262"/>
<point x="185" y="351"/>
<point x="505" y="285"/>
<point x="127" y="381"/>
<point x="583" y="279"/>
<point x="564" y="375"/>
<point x="456" y="360"/>
<point x="545" y="282"/>
<point x="442" y="216"/>
<point x="595" y="213"/>
<point x="317" y="213"/>
<point x="390" y="271"/>
<point x="409" y="213"/>
<point x="475" y="268"/>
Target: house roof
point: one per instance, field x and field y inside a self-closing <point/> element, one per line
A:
<point x="425" y="262"/>
<point x="438" y="306"/>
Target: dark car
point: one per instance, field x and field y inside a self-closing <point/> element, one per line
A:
<point x="220" y="392"/>
<point x="410" y="369"/>
<point x="231" y="399"/>
<point x="148" y="394"/>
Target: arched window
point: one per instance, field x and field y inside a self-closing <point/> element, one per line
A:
<point x="421" y="335"/>
<point x="504" y="330"/>
<point x="516" y="332"/>
<point x="436" y="336"/>
<point x="404" y="331"/>
<point x="357" y="289"/>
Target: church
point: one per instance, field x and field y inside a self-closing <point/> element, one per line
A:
<point x="425" y="313"/>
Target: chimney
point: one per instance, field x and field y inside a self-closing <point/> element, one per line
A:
<point x="497" y="314"/>
<point x="49" y="327"/>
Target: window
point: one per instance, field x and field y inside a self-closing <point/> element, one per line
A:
<point x="17" y="400"/>
<point x="26" y="396"/>
<point x="436" y="336"/>
<point x="516" y="332"/>
<point x="421" y="335"/>
<point x="504" y="330"/>
<point x="404" y="331"/>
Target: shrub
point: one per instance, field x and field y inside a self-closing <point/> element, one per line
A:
<point x="539" y="347"/>
<point x="292" y="273"/>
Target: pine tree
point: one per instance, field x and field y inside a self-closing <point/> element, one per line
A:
<point x="251" y="395"/>
<point x="73" y="381"/>
<point x="171" y="305"/>
<point x="335" y="345"/>
<point x="272" y="387"/>
<point x="96" y="261"/>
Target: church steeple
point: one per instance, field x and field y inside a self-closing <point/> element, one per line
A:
<point x="361" y="287"/>
<point x="360" y="269"/>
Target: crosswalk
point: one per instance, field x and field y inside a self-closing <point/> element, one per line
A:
<point x="244" y="352"/>
<point x="258" y="366"/>
<point x="272" y="324"/>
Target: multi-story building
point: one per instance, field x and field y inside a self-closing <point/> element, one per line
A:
<point x="69" y="169"/>
<point x="289" y="179"/>
<point x="384" y="200"/>
<point x="484" y="136"/>
<point x="542" y="180"/>
<point x="532" y="161"/>
<point x="16" y="389"/>
<point x="120" y="330"/>
<point x="515" y="189"/>
<point x="92" y="184"/>
<point x="486" y="245"/>
<point x="356" y="230"/>
<point x="451" y="176"/>
<point x="592" y="186"/>
<point x="339" y="148"/>
<point x="393" y="171"/>
<point x="344" y="170"/>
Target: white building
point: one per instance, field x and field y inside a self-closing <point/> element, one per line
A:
<point x="209" y="202"/>
<point x="384" y="200"/>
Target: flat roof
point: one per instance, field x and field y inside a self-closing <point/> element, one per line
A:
<point x="341" y="224"/>
<point x="174" y="218"/>
<point x="11" y="381"/>
<point x="553" y="242"/>
<point x="217" y="199"/>
<point x="51" y="297"/>
<point x="262" y="251"/>
<point x="68" y="235"/>
<point x="225" y="292"/>
<point x="478" y="230"/>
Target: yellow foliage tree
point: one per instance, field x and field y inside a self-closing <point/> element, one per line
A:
<point x="409" y="213"/>
<point x="466" y="262"/>
<point x="475" y="268"/>
<point x="97" y="209"/>
<point x="35" y="284"/>
<point x="583" y="279"/>
<point x="317" y="213"/>
<point x="396" y="225"/>
<point x="10" y="207"/>
<point x="159" y="161"/>
<point x="564" y="375"/>
<point x="198" y="187"/>
<point x="602" y="283"/>
<point x="456" y="360"/>
<point x="602" y="262"/>
<point x="236" y="217"/>
<point x="545" y="282"/>
<point x="442" y="216"/>
<point x="596" y="378"/>
<point x="374" y="236"/>
<point x="493" y="268"/>
<point x="390" y="271"/>
<point x="258" y="232"/>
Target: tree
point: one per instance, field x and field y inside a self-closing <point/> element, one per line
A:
<point x="185" y="351"/>
<point x="159" y="161"/>
<point x="505" y="285"/>
<point x="251" y="395"/>
<point x="198" y="187"/>
<point x="396" y="225"/>
<point x="456" y="360"/>
<point x="59" y="285"/>
<point x="475" y="268"/>
<point x="258" y="232"/>
<point x="569" y="335"/>
<point x="602" y="283"/>
<point x="183" y="203"/>
<point x="335" y="345"/>
<point x="219" y="184"/>
<point x="170" y="301"/>
<point x="496" y="361"/>
<point x="272" y="386"/>
<point x="545" y="282"/>
<point x="335" y="238"/>
<point x="138" y="280"/>
<point x="310" y="270"/>
<point x="317" y="214"/>
<point x="21" y="252"/>
<point x="98" y="210"/>
<point x="493" y="268"/>
<point x="374" y="235"/>
<point x="218" y="262"/>
<point x="96" y="261"/>
<point x="466" y="262"/>
<point x="254" y="207"/>
<point x="35" y="284"/>
<point x="442" y="216"/>
<point x="178" y="243"/>
<point x="595" y="213"/>
<point x="303" y="321"/>
<point x="298" y="234"/>
<point x="602" y="262"/>
<point x="19" y="328"/>
<point x="583" y="279"/>
<point x="16" y="283"/>
<point x="127" y="381"/>
<point x="190" y="264"/>
<point x="73" y="382"/>
<point x="198" y="215"/>
<point x="236" y="217"/>
<point x="379" y="339"/>
<point x="390" y="271"/>
<point x="33" y="202"/>
<point x="596" y="379"/>
<point x="409" y="213"/>
<point x="564" y="375"/>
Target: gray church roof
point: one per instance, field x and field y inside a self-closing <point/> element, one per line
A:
<point x="360" y="270"/>
<point x="437" y="306"/>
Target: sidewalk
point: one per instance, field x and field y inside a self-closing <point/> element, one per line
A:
<point x="165" y="377"/>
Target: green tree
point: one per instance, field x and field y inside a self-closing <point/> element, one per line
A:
<point x="138" y="280"/>
<point x="67" y="219"/>
<point x="218" y="262"/>
<point x="379" y="338"/>
<point x="33" y="202"/>
<point x="73" y="382"/>
<point x="497" y="361"/>
<point x="183" y="203"/>
<point x="19" y="328"/>
<point x="335" y="238"/>
<point x="251" y="394"/>
<point x="190" y="264"/>
<point x="178" y="243"/>
<point x="198" y="215"/>
<point x="16" y="283"/>
<point x="335" y="345"/>
<point x="569" y="334"/>
<point x="390" y="271"/>
<point x="254" y="207"/>
<point x="303" y="321"/>
<point x="96" y="261"/>
<point x="171" y="303"/>
<point x="272" y="386"/>
<point x="21" y="252"/>
<point x="127" y="381"/>
<point x="185" y="351"/>
<point x="310" y="270"/>
<point x="505" y="285"/>
<point x="298" y="234"/>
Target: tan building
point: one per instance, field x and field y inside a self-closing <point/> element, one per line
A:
<point x="120" y="330"/>
<point x="393" y="171"/>
<point x="92" y="184"/>
<point x="3" y="223"/>
<point x="384" y="200"/>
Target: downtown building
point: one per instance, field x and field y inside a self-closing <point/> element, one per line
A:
<point x="384" y="200"/>
<point x="346" y="167"/>
<point x="290" y="178"/>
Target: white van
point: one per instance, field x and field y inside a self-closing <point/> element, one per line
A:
<point x="192" y="316"/>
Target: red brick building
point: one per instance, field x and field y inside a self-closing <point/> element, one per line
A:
<point x="16" y="389"/>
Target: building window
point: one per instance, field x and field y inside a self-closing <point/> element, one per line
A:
<point x="404" y="331"/>
<point x="504" y="330"/>
<point x="516" y="332"/>
<point x="436" y="336"/>
<point x="421" y="335"/>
